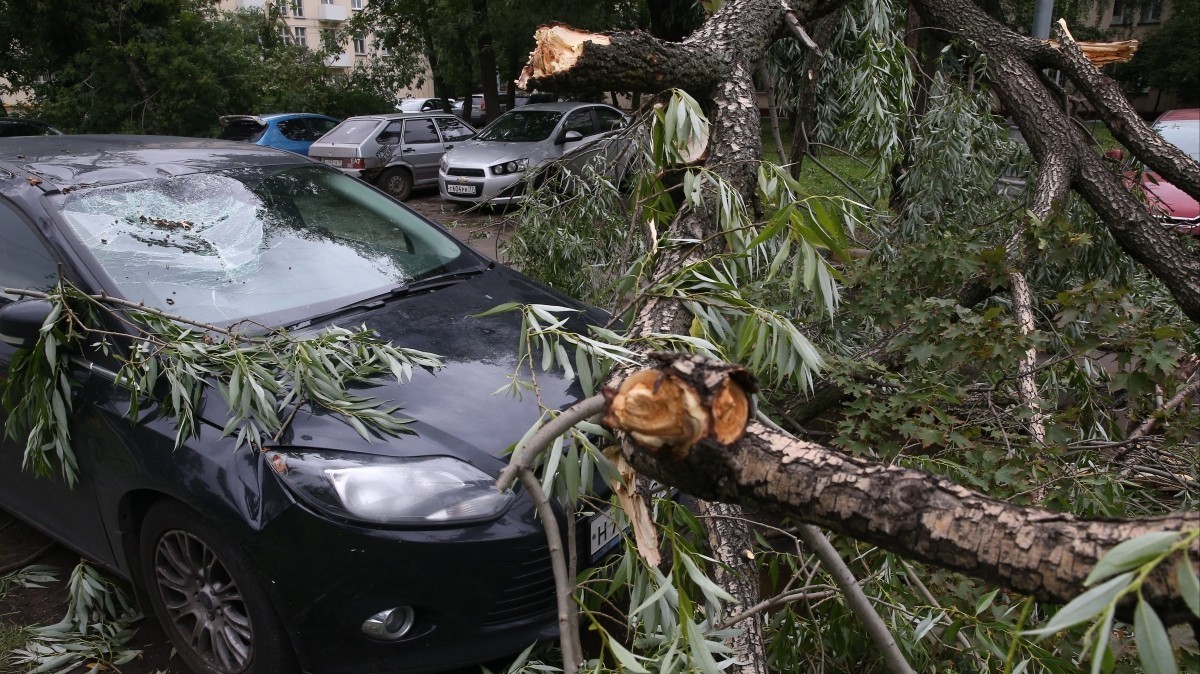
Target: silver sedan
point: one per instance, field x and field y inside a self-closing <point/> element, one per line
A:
<point x="492" y="167"/>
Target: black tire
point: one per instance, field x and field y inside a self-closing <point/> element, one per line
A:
<point x="396" y="182"/>
<point x="208" y="598"/>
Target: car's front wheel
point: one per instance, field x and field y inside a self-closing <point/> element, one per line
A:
<point x="396" y="182"/>
<point x="208" y="598"/>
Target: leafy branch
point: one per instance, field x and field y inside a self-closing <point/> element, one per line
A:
<point x="1127" y="566"/>
<point x="263" y="376"/>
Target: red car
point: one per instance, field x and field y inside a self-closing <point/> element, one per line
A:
<point x="1180" y="128"/>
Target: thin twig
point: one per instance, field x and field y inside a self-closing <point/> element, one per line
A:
<point x="109" y="299"/>
<point x="913" y="578"/>
<point x="1152" y="421"/>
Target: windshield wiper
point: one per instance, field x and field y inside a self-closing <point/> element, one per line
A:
<point x="428" y="283"/>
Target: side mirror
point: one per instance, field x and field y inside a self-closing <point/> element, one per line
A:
<point x="21" y="322"/>
<point x="1115" y="154"/>
<point x="570" y="137"/>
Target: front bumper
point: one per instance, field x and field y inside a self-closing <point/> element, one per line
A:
<point x="479" y="592"/>
<point x="491" y="189"/>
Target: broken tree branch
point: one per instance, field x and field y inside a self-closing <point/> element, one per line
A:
<point x="912" y="513"/>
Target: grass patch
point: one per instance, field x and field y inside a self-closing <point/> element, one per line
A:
<point x="813" y="178"/>
<point x="11" y="636"/>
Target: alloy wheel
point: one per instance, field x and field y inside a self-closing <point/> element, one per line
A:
<point x="204" y="603"/>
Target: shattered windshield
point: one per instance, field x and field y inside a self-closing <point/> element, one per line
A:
<point x="271" y="245"/>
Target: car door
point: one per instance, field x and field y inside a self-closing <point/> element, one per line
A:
<point x="579" y="151"/>
<point x="69" y="513"/>
<point x="421" y="148"/>
<point x="295" y="136"/>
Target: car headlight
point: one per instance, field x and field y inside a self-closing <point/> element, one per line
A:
<point x="514" y="166"/>
<point x="423" y="490"/>
<point x="443" y="164"/>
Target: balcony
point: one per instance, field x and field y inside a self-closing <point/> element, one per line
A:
<point x="326" y="12"/>
<point x="252" y="4"/>
<point x="342" y="60"/>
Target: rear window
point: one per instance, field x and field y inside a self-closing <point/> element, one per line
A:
<point x="1183" y="134"/>
<point x="352" y="131"/>
<point x="243" y="129"/>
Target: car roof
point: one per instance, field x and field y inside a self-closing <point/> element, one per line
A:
<point x="63" y="162"/>
<point x="402" y="115"/>
<point x="281" y="115"/>
<point x="1180" y="115"/>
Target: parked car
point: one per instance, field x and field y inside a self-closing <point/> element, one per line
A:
<point x="291" y="131"/>
<point x="397" y="151"/>
<point x="1180" y="128"/>
<point x="421" y="105"/>
<point x="15" y="126"/>
<point x="492" y="167"/>
<point x="396" y="555"/>
<point x="479" y="107"/>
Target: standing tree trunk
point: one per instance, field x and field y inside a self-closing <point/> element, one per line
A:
<point x="487" y="61"/>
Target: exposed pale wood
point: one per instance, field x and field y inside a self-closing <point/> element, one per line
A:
<point x="558" y="47"/>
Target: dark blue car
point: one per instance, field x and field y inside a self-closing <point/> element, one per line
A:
<point x="322" y="552"/>
<point x="291" y="131"/>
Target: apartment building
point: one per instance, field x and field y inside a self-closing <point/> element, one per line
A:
<point x="314" y="23"/>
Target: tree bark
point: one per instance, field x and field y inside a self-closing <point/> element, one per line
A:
<point x="913" y="513"/>
<point x="1050" y="132"/>
<point x="487" y="62"/>
<point x="716" y="63"/>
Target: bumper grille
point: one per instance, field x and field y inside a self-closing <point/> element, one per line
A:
<point x="529" y="594"/>
<point x="465" y="172"/>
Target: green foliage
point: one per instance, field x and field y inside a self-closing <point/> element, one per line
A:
<point x="593" y="240"/>
<point x="172" y="67"/>
<point x="93" y="633"/>
<point x="866" y="88"/>
<point x="1166" y="57"/>
<point x="260" y="375"/>
<point x="1113" y="347"/>
<point x="1129" y="564"/>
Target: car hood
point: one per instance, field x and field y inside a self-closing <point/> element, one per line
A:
<point x="489" y="152"/>
<point x="1169" y="199"/>
<point x="457" y="409"/>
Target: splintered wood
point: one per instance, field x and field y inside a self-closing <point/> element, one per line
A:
<point x="1100" y="53"/>
<point x="1104" y="53"/>
<point x="685" y="400"/>
<point x="558" y="48"/>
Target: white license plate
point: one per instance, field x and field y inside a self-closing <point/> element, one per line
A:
<point x="460" y="189"/>
<point x="333" y="162"/>
<point x="603" y="530"/>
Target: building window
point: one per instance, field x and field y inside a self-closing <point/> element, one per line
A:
<point x="329" y="40"/>
<point x="283" y="7"/>
<point x="301" y="36"/>
<point x="356" y="4"/>
<point x="298" y="8"/>
<point x="1152" y="13"/>
<point x="360" y="45"/>
<point x="1124" y="10"/>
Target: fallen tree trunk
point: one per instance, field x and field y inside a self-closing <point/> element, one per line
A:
<point x="916" y="514"/>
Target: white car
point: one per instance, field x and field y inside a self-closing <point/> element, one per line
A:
<point x="492" y="166"/>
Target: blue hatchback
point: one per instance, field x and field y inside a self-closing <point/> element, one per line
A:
<point x="291" y="131"/>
